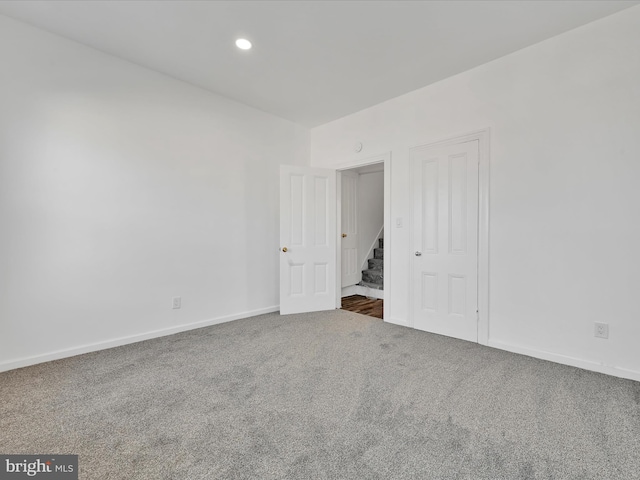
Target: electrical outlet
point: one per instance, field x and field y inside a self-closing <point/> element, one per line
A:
<point x="177" y="302"/>
<point x="601" y="330"/>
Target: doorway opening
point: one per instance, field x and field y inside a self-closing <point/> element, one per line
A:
<point x="361" y="222"/>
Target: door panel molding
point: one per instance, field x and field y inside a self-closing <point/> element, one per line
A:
<point x="483" y="137"/>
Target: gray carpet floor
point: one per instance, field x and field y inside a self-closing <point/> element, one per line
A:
<point x="334" y="395"/>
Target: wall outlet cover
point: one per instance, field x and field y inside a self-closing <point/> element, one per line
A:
<point x="601" y="330"/>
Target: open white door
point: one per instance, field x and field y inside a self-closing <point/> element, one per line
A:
<point x="307" y="239"/>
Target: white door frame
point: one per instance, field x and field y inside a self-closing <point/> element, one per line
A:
<point x="483" y="137"/>
<point x="384" y="158"/>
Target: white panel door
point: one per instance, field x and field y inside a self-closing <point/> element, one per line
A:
<point x="349" y="259"/>
<point x="307" y="239"/>
<point x="445" y="239"/>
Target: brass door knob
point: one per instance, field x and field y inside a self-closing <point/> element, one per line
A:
<point x="284" y="249"/>
<point x="344" y="235"/>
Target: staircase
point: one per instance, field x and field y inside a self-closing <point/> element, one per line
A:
<point x="373" y="276"/>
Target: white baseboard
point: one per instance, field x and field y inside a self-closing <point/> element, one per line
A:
<point x="370" y="292"/>
<point x="566" y="360"/>
<point x="364" y="291"/>
<point x="348" y="291"/>
<point x="397" y="321"/>
<point x="117" y="342"/>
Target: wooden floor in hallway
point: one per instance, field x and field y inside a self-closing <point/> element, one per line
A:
<point x="360" y="304"/>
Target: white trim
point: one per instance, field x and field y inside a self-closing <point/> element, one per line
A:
<point x="369" y="292"/>
<point x="362" y="290"/>
<point x="386" y="261"/>
<point x="348" y="291"/>
<point x="454" y="139"/>
<point x="117" y="342"/>
<point x="386" y="159"/>
<point x="338" y="239"/>
<point x="566" y="360"/>
<point x="363" y="162"/>
<point x="483" y="138"/>
<point x="397" y="321"/>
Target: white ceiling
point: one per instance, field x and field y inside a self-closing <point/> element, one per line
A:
<point x="312" y="61"/>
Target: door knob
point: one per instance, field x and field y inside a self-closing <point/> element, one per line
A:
<point x="284" y="249"/>
<point x="344" y="235"/>
<point x="418" y="254"/>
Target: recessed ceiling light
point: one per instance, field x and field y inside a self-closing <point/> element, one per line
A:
<point x="243" y="44"/>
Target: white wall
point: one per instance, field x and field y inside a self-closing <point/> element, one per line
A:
<point x="564" y="192"/>
<point x="121" y="188"/>
<point x="370" y="213"/>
